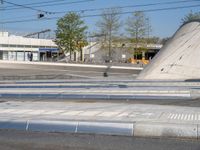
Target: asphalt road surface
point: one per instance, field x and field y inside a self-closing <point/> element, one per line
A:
<point x="15" y="71"/>
<point x="172" y="102"/>
<point x="18" y="140"/>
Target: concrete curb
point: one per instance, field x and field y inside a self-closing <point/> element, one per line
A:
<point x="110" y="66"/>
<point x="167" y="130"/>
<point x="137" y="129"/>
<point x="97" y="96"/>
<point x="107" y="128"/>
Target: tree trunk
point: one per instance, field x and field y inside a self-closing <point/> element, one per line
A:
<point x="70" y="54"/>
<point x="81" y="57"/>
<point x="75" y="56"/>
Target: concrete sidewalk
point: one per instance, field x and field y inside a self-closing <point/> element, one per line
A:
<point x="102" y="118"/>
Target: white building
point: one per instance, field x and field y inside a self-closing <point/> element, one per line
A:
<point x="19" y="48"/>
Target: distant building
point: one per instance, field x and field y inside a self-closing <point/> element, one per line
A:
<point x="95" y="53"/>
<point x="18" y="48"/>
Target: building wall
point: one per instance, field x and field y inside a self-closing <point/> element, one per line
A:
<point x="17" y="48"/>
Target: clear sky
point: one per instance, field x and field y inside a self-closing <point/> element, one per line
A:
<point x="164" y="23"/>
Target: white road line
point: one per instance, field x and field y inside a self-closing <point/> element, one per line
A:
<point x="189" y="117"/>
<point x="179" y="116"/>
<point x="182" y="116"/>
<point x="89" y="113"/>
<point x="175" y="116"/>
<point x="185" y="118"/>
<point x="125" y="114"/>
<point x="169" y="116"/>
<point x="50" y="112"/>
<point x="108" y="114"/>
<point x="192" y="117"/>
<point x="72" y="65"/>
<point x="72" y="113"/>
<point x="172" y="116"/>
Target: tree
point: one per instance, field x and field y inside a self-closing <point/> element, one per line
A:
<point x="138" y="26"/>
<point x="70" y="33"/>
<point x="190" y="16"/>
<point x="109" y="25"/>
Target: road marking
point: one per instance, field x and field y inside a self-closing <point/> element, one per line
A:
<point x="169" y="116"/>
<point x="89" y="113"/>
<point x="50" y="112"/>
<point x="185" y="118"/>
<point x="179" y="116"/>
<point x="72" y="113"/>
<point x="176" y="115"/>
<point x="172" y="116"/>
<point x="125" y="114"/>
<point x="188" y="117"/>
<point x="182" y="116"/>
<point x="192" y="117"/>
<point x="108" y="114"/>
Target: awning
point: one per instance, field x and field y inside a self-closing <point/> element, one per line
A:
<point x="48" y="49"/>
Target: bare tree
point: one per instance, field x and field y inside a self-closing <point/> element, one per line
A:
<point x="109" y="25"/>
<point x="138" y="26"/>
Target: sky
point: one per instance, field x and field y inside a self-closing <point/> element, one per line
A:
<point x="164" y="23"/>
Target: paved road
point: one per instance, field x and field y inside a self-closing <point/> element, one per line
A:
<point x="169" y="102"/>
<point x="101" y="118"/>
<point x="100" y="89"/>
<point x="39" y="70"/>
<point x="18" y="140"/>
<point x="99" y="111"/>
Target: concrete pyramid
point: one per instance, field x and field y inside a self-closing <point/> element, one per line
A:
<point x="179" y="59"/>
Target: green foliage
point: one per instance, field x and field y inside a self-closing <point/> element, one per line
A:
<point x="70" y="33"/>
<point x="191" y="16"/>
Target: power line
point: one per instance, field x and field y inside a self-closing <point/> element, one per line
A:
<point x="45" y="2"/>
<point x="121" y="7"/>
<point x="133" y="6"/>
<point x="27" y="7"/>
<point x="45" y="5"/>
<point x="97" y="15"/>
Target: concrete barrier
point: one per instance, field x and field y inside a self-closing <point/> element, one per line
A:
<point x="107" y="128"/>
<point x="97" y="96"/>
<point x="137" y="129"/>
<point x="166" y="130"/>
<point x="195" y="93"/>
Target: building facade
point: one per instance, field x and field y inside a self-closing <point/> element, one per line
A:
<point x="18" y="48"/>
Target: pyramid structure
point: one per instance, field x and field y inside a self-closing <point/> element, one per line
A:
<point x="179" y="59"/>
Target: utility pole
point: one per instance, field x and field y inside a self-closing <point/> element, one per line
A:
<point x="110" y="46"/>
<point x="1" y="13"/>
